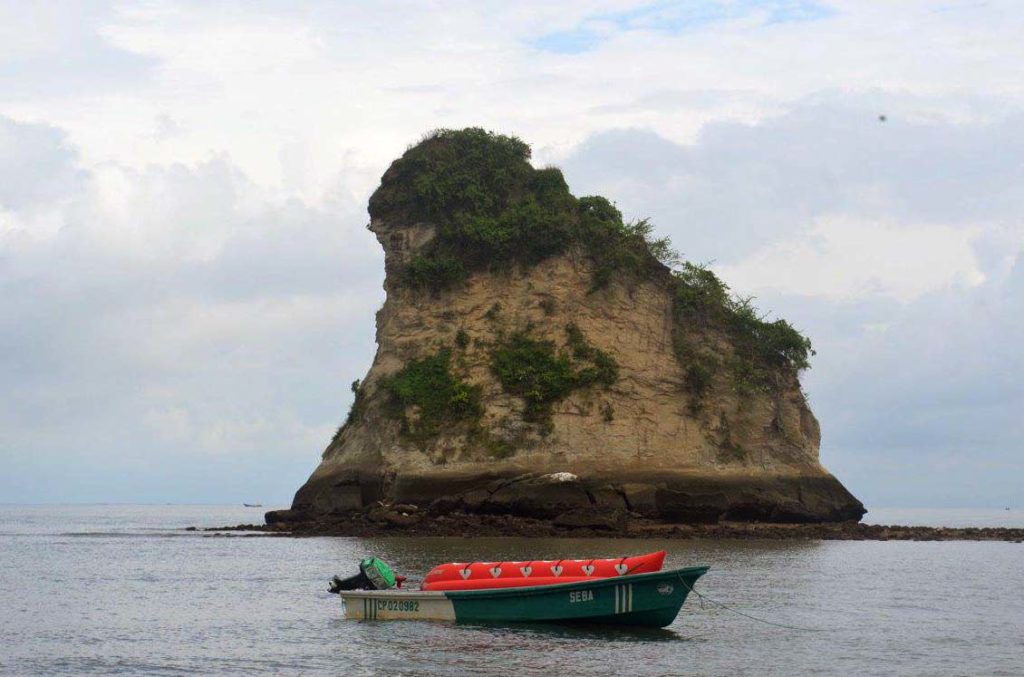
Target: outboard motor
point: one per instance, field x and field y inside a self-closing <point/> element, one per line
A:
<point x="373" y="575"/>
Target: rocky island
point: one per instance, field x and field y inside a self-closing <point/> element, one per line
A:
<point x="541" y="359"/>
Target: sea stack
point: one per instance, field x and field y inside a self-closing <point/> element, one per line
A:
<point x="538" y="356"/>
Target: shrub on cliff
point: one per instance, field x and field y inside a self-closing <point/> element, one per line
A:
<point x="451" y="172"/>
<point x="355" y="413"/>
<point x="699" y="295"/>
<point x="760" y="347"/>
<point x="534" y="370"/>
<point x="425" y="395"/>
<point x="491" y="208"/>
<point x="616" y="245"/>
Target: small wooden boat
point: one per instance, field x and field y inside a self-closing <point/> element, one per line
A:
<point x="651" y="600"/>
<point x="252" y="505"/>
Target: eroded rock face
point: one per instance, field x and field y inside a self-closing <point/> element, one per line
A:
<point x="639" y="445"/>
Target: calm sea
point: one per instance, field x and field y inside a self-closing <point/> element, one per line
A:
<point x="125" y="590"/>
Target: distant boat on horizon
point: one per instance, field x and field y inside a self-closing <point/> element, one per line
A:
<point x="253" y="505"/>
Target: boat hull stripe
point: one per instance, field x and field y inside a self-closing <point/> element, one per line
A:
<point x="624" y="598"/>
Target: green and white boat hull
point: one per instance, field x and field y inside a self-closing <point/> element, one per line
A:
<point x="651" y="600"/>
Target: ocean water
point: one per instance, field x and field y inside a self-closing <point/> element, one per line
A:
<point x="948" y="517"/>
<point x="125" y="590"/>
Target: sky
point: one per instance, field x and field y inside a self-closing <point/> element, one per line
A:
<point x="187" y="285"/>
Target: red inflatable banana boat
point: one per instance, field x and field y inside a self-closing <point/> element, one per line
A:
<point x="481" y="575"/>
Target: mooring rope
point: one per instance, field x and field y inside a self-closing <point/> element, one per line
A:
<point x="745" y="615"/>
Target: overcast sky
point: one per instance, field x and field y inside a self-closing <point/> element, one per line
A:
<point x="187" y="287"/>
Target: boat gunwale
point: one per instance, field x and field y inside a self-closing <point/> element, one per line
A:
<point x="404" y="594"/>
<point x="595" y="583"/>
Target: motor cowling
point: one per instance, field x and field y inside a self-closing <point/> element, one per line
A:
<point x="374" y="574"/>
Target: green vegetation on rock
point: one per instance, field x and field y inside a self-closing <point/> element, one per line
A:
<point x="434" y="271"/>
<point x="426" y="396"/>
<point x="490" y="206"/>
<point x="492" y="209"/>
<point x="617" y="246"/>
<point x="730" y="452"/>
<point x="356" y="412"/>
<point x="534" y="370"/>
<point x="702" y="297"/>
<point x="699" y="369"/>
<point x="599" y="367"/>
<point x="759" y="348"/>
<point x="493" y="312"/>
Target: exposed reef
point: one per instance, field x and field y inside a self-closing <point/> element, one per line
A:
<point x="397" y="520"/>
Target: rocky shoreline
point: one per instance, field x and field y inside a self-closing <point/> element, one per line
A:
<point x="396" y="521"/>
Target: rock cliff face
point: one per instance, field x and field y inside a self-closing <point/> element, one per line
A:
<point x="535" y="358"/>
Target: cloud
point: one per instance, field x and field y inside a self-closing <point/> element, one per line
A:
<point x="739" y="188"/>
<point x="924" y="399"/>
<point x="57" y="48"/>
<point x="36" y="164"/>
<point x="840" y="257"/>
<point x="174" y="311"/>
